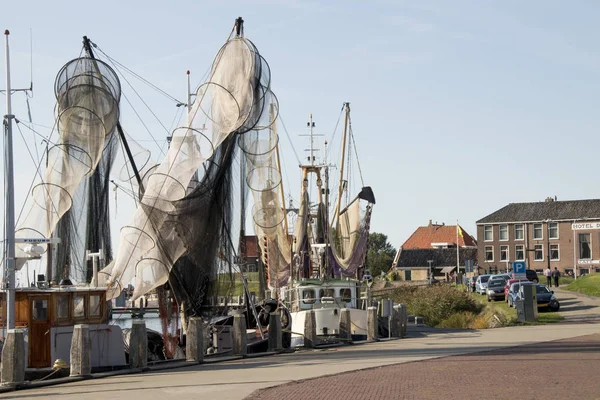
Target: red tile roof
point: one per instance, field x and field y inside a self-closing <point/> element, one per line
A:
<point x="425" y="235"/>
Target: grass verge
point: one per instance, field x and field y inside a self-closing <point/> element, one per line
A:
<point x="589" y="285"/>
<point x="446" y="306"/>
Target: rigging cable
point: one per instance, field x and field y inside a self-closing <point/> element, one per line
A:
<point x="39" y="164"/>
<point x="115" y="62"/>
<point x="357" y="159"/>
<point x="290" y="139"/>
<point x="140" y="118"/>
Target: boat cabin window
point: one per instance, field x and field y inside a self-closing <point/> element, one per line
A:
<point x="346" y="295"/>
<point x="308" y="296"/>
<point x="326" y="293"/>
<point x="78" y="306"/>
<point x="94" y="305"/>
<point x="40" y="310"/>
<point x="62" y="307"/>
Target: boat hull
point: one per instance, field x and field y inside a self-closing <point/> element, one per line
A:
<point x="328" y="324"/>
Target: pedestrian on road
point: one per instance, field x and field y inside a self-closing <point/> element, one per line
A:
<point x="556" y="275"/>
<point x="548" y="275"/>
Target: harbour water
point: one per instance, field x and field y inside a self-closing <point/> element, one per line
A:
<point x="125" y="321"/>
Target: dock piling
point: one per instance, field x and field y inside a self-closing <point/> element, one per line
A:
<point x="138" y="345"/>
<point x="194" y="342"/>
<point x="310" y="330"/>
<point x="81" y="351"/>
<point x="13" y="358"/>
<point x="240" y="338"/>
<point x="372" y="324"/>
<point x="275" y="339"/>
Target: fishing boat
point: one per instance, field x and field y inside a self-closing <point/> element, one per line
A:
<point x="179" y="243"/>
<point x="87" y="100"/>
<point x="330" y="252"/>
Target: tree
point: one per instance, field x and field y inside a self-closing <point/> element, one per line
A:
<point x="380" y="254"/>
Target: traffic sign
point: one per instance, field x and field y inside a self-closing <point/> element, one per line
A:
<point x="519" y="268"/>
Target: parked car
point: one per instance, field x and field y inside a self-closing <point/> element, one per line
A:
<point x="530" y="274"/>
<point x="481" y="283"/>
<point x="545" y="298"/>
<point x="514" y="291"/>
<point x="507" y="287"/>
<point x="471" y="283"/>
<point x="495" y="289"/>
<point x="499" y="277"/>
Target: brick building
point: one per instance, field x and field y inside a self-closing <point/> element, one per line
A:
<point x="560" y="234"/>
<point x="434" y="247"/>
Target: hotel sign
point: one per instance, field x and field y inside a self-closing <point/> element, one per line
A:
<point x="580" y="226"/>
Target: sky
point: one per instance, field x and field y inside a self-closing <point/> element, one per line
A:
<point x="458" y="108"/>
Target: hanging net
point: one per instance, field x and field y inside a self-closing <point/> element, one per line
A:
<point x="77" y="167"/>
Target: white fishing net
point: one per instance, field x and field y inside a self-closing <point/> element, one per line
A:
<point x="87" y="93"/>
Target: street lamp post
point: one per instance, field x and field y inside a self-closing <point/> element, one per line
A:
<point x="430" y="271"/>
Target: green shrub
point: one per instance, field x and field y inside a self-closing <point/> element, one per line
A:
<point x="436" y="303"/>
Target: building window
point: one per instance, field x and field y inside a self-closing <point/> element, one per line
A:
<point x="488" y="233"/>
<point x="503" y="253"/>
<point x="538" y="232"/>
<point x="553" y="230"/>
<point x="503" y="232"/>
<point x="585" y="250"/>
<point x="584" y="271"/>
<point x="489" y="253"/>
<point x="538" y="252"/>
<point x="519" y="232"/>
<point x="519" y="252"/>
<point x="554" y="252"/>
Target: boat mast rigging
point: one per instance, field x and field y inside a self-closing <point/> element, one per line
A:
<point x="9" y="219"/>
<point x="88" y="49"/>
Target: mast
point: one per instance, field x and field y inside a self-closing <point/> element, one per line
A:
<point x="343" y="158"/>
<point x="88" y="49"/>
<point x="9" y="199"/>
<point x="282" y="192"/>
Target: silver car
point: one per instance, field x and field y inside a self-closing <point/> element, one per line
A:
<point x="495" y="289"/>
<point x="481" y="284"/>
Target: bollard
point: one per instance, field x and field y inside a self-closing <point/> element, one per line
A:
<point x="310" y="329"/>
<point x="345" y="325"/>
<point x="240" y="337"/>
<point x="396" y="322"/>
<point x="275" y="332"/>
<point x="403" y="319"/>
<point x="372" y="324"/>
<point x="81" y="351"/>
<point x="194" y="341"/>
<point x="138" y="344"/>
<point x="13" y="358"/>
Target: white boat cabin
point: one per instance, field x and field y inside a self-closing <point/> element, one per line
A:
<point x="309" y="294"/>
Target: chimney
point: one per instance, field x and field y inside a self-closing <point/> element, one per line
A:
<point x="429" y="222"/>
<point x="549" y="200"/>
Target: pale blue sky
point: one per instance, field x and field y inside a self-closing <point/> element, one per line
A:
<point x="458" y="107"/>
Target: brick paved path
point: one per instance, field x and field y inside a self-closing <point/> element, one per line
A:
<point x="563" y="369"/>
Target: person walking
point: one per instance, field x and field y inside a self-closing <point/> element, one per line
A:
<point x="548" y="275"/>
<point x="556" y="275"/>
